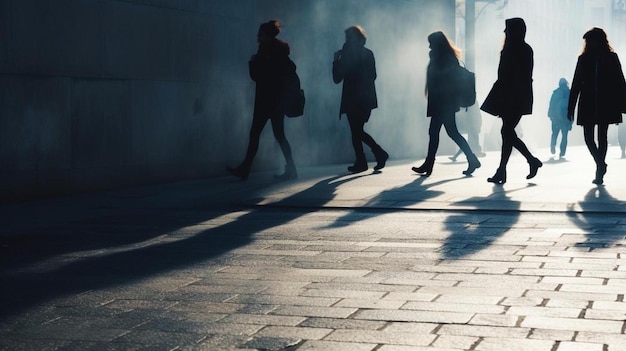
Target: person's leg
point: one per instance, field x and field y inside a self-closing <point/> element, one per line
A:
<point x="590" y="141"/>
<point x="533" y="162"/>
<point x="242" y="171"/>
<point x="555" y="133"/>
<point x="278" y="127"/>
<point x="357" y="123"/>
<point x="433" y="145"/>
<point x="380" y="154"/>
<point x="563" y="147"/>
<point x="449" y="123"/>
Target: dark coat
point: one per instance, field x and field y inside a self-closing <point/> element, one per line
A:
<point x="599" y="81"/>
<point x="512" y="93"/>
<point x="442" y="89"/>
<point x="357" y="69"/>
<point x="267" y="68"/>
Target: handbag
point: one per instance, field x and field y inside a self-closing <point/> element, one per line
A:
<point x="292" y="98"/>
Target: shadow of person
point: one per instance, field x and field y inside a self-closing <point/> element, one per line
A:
<point x="400" y="198"/>
<point x="202" y="236"/>
<point x="600" y="231"/>
<point x="471" y="231"/>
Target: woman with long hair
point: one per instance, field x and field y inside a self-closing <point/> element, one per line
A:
<point x="511" y="96"/>
<point x="599" y="81"/>
<point x="442" y="99"/>
<point x="266" y="68"/>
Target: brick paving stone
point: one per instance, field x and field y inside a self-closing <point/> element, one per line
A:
<point x="307" y="333"/>
<point x="484" y="331"/>
<point x="322" y="345"/>
<point x="579" y="346"/>
<point x="413" y="316"/>
<point x="551" y="334"/>
<point x="544" y="311"/>
<point x="453" y="307"/>
<point x="343" y="323"/>
<point x="262" y="319"/>
<point x="499" y="344"/>
<point x="381" y="337"/>
<point x="572" y="324"/>
<point x="494" y="320"/>
<point x="455" y="342"/>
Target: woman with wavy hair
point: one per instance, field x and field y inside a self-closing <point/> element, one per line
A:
<point x="599" y="81"/>
<point x="442" y="101"/>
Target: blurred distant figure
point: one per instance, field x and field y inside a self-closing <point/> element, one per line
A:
<point x="270" y="63"/>
<point x="599" y="81"/>
<point x="557" y="111"/>
<point x="511" y="96"/>
<point x="442" y="102"/>
<point x="470" y="122"/>
<point x="354" y="65"/>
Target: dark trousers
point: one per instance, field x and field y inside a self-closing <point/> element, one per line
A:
<point x="598" y="151"/>
<point x="357" y="122"/>
<point x="278" y="127"/>
<point x="510" y="140"/>
<point x="449" y="123"/>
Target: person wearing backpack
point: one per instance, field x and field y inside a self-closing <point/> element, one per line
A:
<point x="266" y="67"/>
<point x="557" y="111"/>
<point x="511" y="96"/>
<point x="355" y="66"/>
<point x="443" y="101"/>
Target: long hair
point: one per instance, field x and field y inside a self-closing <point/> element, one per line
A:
<point x="442" y="53"/>
<point x="596" y="41"/>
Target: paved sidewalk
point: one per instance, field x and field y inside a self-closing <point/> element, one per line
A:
<point x="385" y="261"/>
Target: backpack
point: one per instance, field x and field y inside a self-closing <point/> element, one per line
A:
<point x="292" y="98"/>
<point x="466" y="86"/>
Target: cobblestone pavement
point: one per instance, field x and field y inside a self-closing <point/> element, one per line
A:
<point x="386" y="261"/>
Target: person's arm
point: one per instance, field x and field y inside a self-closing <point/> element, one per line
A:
<point x="338" y="68"/>
<point x="575" y="90"/>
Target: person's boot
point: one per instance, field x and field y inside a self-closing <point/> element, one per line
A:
<point x="381" y="159"/>
<point x="499" y="177"/>
<point x="360" y="165"/>
<point x="426" y="168"/>
<point x="534" y="164"/>
<point x="242" y="171"/>
<point x="473" y="164"/>
<point x="600" y="172"/>
<point x="289" y="174"/>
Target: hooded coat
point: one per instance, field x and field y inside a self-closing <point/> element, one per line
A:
<point x="512" y="93"/>
<point x="599" y="88"/>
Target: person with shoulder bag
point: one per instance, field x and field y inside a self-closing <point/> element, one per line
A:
<point x="267" y="68"/>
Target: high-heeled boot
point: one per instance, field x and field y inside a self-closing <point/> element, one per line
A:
<point x="473" y="164"/>
<point x="289" y="174"/>
<point x="426" y="168"/>
<point x="600" y="172"/>
<point x="381" y="158"/>
<point x="534" y="165"/>
<point x="499" y="177"/>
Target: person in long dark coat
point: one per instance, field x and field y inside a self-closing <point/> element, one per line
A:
<point x="557" y="111"/>
<point x="598" y="87"/>
<point x="511" y="96"/>
<point x="443" y="103"/>
<point x="266" y="68"/>
<point x="355" y="66"/>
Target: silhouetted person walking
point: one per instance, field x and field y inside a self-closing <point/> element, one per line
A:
<point x="267" y="67"/>
<point x="354" y="65"/>
<point x="557" y="111"/>
<point x="599" y="81"/>
<point x="443" y="101"/>
<point x="511" y="96"/>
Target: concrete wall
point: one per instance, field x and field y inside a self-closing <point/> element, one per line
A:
<point x="102" y="93"/>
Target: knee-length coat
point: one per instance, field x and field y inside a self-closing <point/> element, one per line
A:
<point x="357" y="69"/>
<point x="512" y="93"/>
<point x="599" y="88"/>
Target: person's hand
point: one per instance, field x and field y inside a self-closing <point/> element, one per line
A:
<point x="337" y="55"/>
